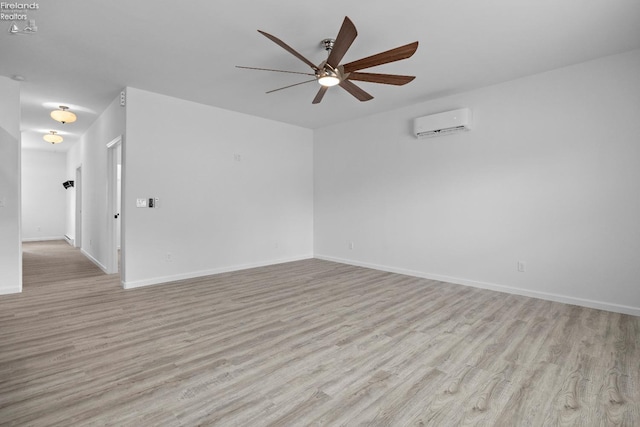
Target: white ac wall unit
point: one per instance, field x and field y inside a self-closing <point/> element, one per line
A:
<point x="441" y="124"/>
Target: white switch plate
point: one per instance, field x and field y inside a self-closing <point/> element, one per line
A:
<point x="141" y="203"/>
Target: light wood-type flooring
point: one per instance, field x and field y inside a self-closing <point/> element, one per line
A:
<point x="304" y="343"/>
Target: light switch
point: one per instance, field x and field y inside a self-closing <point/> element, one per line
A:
<point x="141" y="203"/>
<point x="153" y="202"/>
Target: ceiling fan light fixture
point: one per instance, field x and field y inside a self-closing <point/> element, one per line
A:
<point x="63" y="115"/>
<point x="328" y="78"/>
<point x="52" y="137"/>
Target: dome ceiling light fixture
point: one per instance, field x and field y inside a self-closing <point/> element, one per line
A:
<point x="63" y="115"/>
<point x="52" y="137"/>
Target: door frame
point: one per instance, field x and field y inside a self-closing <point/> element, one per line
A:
<point x="112" y="193"/>
<point x="77" y="239"/>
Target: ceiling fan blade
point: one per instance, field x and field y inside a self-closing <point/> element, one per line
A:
<point x="387" y="79"/>
<point x="320" y="95"/>
<point x="287" y="87"/>
<point x="355" y="90"/>
<point x="288" y="49"/>
<point x="270" y="69"/>
<point x="344" y="39"/>
<point x="402" y="52"/>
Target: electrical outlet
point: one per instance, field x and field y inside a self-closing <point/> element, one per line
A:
<point x="169" y="257"/>
<point x="522" y="266"/>
<point x="141" y="203"/>
<point x="351" y="246"/>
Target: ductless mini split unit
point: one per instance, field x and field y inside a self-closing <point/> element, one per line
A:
<point x="441" y="124"/>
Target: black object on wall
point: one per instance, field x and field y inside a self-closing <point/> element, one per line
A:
<point x="67" y="184"/>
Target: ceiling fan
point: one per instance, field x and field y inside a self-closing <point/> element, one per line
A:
<point x="330" y="72"/>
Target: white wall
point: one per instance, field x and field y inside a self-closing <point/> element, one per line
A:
<point x="43" y="196"/>
<point x="235" y="190"/>
<point x="550" y="176"/>
<point x="10" y="244"/>
<point x="91" y="153"/>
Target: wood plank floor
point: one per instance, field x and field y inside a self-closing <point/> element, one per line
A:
<point x="304" y="343"/>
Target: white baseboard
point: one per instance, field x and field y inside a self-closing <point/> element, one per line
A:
<point x="93" y="260"/>
<point x="42" y="239"/>
<point x="191" y="275"/>
<point x="617" y="308"/>
<point x="10" y="291"/>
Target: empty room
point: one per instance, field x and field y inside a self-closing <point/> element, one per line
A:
<point x="334" y="214"/>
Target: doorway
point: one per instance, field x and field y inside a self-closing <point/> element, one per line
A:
<point x="77" y="241"/>
<point x="114" y="205"/>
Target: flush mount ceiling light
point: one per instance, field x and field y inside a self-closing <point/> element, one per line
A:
<point x="52" y="137"/>
<point x="63" y="115"/>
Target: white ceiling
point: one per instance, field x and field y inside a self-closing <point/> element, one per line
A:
<point x="86" y="52"/>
